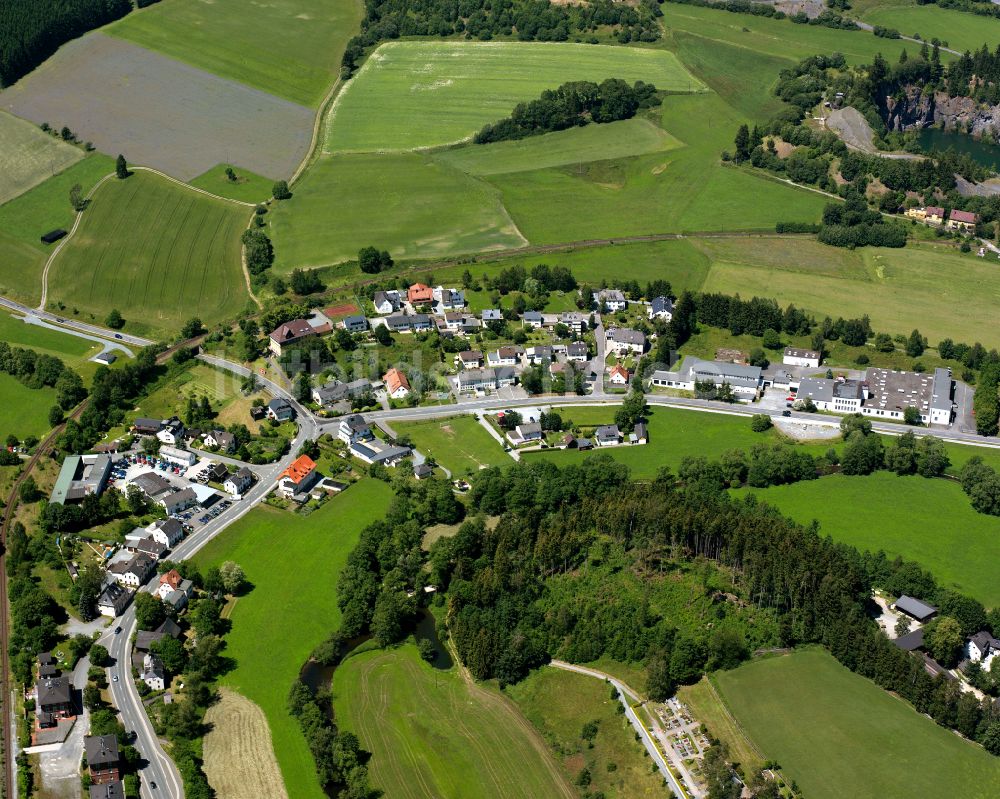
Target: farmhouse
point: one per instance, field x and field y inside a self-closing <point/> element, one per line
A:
<point x="419" y="294"/>
<point x="624" y="340"/>
<point x="983" y="648"/>
<point x="915" y="609"/>
<point x="661" y="308"/>
<point x="289" y="333"/>
<point x="239" y="481"/>
<point x="839" y="396"/>
<point x="81" y="475"/>
<point x="178" y="457"/>
<point x="611" y="299"/>
<point x="964" y="221"/>
<point x="386" y="302"/>
<point x="298" y="478"/>
<point x="797" y="357"/>
<point x="618" y="375"/>
<point x="280" y="410"/>
<point x="103" y="760"/>
<point x="396" y="384"/>
<point x="743" y="380"/>
<point x="113" y="600"/>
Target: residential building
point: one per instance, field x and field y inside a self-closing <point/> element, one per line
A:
<point x="963" y="221"/>
<point x="177" y="456"/>
<point x="470" y="324"/>
<point x="171" y="431"/>
<point x="215" y="473"/>
<point x="145" y="544"/>
<point x="103" y="759"/>
<point x="81" y="475"/>
<point x="745" y="381"/>
<point x="491" y="315"/>
<point x="470" y="380"/>
<point x="524" y="433"/>
<point x="239" y="482"/>
<point x="541" y="353"/>
<point x="167" y="531"/>
<point x="453" y="321"/>
<point x="447" y="299"/>
<point x="607" y="435"/>
<point x="280" y="410"/>
<point x="54" y="695"/>
<point x="133" y="572"/>
<point x="915" y="609"/>
<point x="504" y="356"/>
<point x="113" y="600"/>
<point x="222" y="439"/>
<point x="329" y="393"/>
<point x="839" y="396"/>
<point x="146" y="427"/>
<point x="169" y="581"/>
<point x="506" y="376"/>
<point x="661" y="308"/>
<point x="354" y="324"/>
<point x="153" y="673"/>
<point x="639" y="435"/>
<point x="797" y="357"/>
<point x="288" y="334"/>
<point x="611" y="299"/>
<point x="932" y="214"/>
<point x="399" y="323"/>
<point x="983" y="649"/>
<point x="109" y="790"/>
<point x="178" y="500"/>
<point x="532" y="319"/>
<point x="576" y="322"/>
<point x="423" y="471"/>
<point x="618" y="376"/>
<point x="470" y="359"/>
<point x="151" y="484"/>
<point x="577" y="352"/>
<point x="352" y="427"/>
<point x="624" y="341"/>
<point x="419" y="294"/>
<point x="298" y="478"/>
<point x="386" y="302"/>
<point x="374" y="450"/>
<point x="421" y="322"/>
<point x="396" y="384"/>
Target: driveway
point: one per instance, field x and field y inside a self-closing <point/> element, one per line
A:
<point x="61" y="769"/>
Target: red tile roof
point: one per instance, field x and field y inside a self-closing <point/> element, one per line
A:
<point x="300" y="469"/>
<point x="964" y="216"/>
<point x="418" y="292"/>
<point x="171" y="578"/>
<point x="395" y="380"/>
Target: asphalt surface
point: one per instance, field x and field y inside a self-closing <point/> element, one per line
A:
<point x="73" y="324"/>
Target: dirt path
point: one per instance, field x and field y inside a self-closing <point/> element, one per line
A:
<point x="856" y="133"/>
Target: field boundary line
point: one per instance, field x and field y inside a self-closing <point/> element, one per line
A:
<point x="189" y="186"/>
<point x="733" y="720"/>
<point x="319" y="130"/>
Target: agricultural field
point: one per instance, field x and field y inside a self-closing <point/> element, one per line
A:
<point x="574" y="146"/>
<point x="427" y="94"/>
<point x="405" y="203"/>
<point x="960" y="29"/>
<point x="706" y="705"/>
<point x="837" y="734"/>
<point x="158" y="252"/>
<point x="939" y="529"/>
<point x="248" y="188"/>
<point x="24" y="411"/>
<point x="559" y="703"/>
<point x="161" y="112"/>
<point x="30" y="156"/>
<point x="459" y="444"/>
<point x="271" y="545"/>
<point x="433" y="732"/>
<point x="41" y="209"/>
<point x="239" y="757"/>
<point x="289" y="48"/>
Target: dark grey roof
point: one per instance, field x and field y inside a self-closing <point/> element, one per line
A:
<point x="109" y="790"/>
<point x="985" y="641"/>
<point x="169" y="627"/>
<point x="112" y="595"/>
<point x="639" y="430"/>
<point x="661" y="305"/>
<point x="278" y="403"/>
<point x="625" y="335"/>
<point x="577" y="348"/>
<point x="170" y="527"/>
<point x="102" y="750"/>
<point x="46" y="659"/>
<point x="911" y="641"/>
<point x="184" y="495"/>
<point x="151" y="484"/>
<point x="423" y="469"/>
<point x="915" y="608"/>
<point x="607" y="432"/>
<point x="53" y="691"/>
<point x="145" y="638"/>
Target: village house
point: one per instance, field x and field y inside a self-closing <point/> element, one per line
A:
<point x="298" y="478"/>
<point x="354" y="324"/>
<point x="146" y="427"/>
<point x="525" y="433"/>
<point x="504" y="356"/>
<point x="798" y="357"/>
<point x="607" y="435"/>
<point x="399" y="323"/>
<point x="151" y="484"/>
<point x="575" y="321"/>
<point x="453" y="321"/>
<point x="983" y="649"/>
<point x="352" y="427"/>
<point x="624" y="341"/>
<point x="506" y="376"/>
<point x="109" y="790"/>
<point x="280" y="410"/>
<point x="178" y="457"/>
<point x="171" y="431"/>
<point x="661" y="308"/>
<point x="177" y="501"/>
<point x="542" y="353"/>
<point x="132" y="572"/>
<point x="169" y="581"/>
<point x="145" y="544"/>
<point x="448" y="299"/>
<point x="963" y="221"/>
<point x="470" y="359"/>
<point x="113" y="600"/>
<point x="152" y="672"/>
<point x="239" y="481"/>
<point x="577" y="352"/>
<point x="639" y="434"/>
<point x="54" y="695"/>
<point x="288" y="334"/>
<point x="80" y="476"/>
<point x="471" y="380"/>
<point x="167" y="531"/>
<point x="103" y="759"/>
<point x="423" y="471"/>
<point x="222" y="439"/>
<point x="491" y="315"/>
<point x="386" y="302"/>
<point x="618" y="375"/>
<point x="611" y="299"/>
<point x="419" y="294"/>
<point x="532" y="319"/>
<point x="215" y="473"/>
<point x="931" y="215"/>
<point x="396" y="384"/>
<point x="839" y="396"/>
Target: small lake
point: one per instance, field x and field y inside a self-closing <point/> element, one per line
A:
<point x="982" y="152"/>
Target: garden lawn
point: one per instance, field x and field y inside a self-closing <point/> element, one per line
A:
<point x="405" y="203"/>
<point x="429" y="93"/>
<point x="291" y="48"/>
<point x="434" y="734"/>
<point x="459" y="444"/>
<point x="291" y="608"/>
<point x="559" y="703"/>
<point x="837" y="734"/>
<point x="41" y="209"/>
<point x="929" y="521"/>
<point x="248" y="188"/>
<point x="29" y="156"/>
<point x="24" y="411"/>
<point x="158" y="252"/>
<point x="590" y="143"/>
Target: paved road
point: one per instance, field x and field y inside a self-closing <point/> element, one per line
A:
<point x="74" y="324"/>
<point x="107" y="346"/>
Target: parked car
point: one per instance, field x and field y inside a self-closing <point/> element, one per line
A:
<point x="786" y="413"/>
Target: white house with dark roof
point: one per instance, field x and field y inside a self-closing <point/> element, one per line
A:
<point x="983" y="649"/>
<point x="532" y="319"/>
<point x="578" y="352"/>
<point x="661" y="308"/>
<point x="167" y="531"/>
<point x="239" y="481"/>
<point x="607" y="435"/>
<point x="280" y="410"/>
<point x="624" y="341"/>
<point x="799" y="357"/>
<point x="288" y="334"/>
<point x="612" y="299"/>
<point x="386" y="302"/>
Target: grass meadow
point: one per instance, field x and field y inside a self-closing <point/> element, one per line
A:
<point x="291" y="48"/>
<point x="559" y="703"/>
<point x="837" y="734"/>
<point x="927" y="521"/>
<point x="962" y="30"/>
<point x="405" y="203"/>
<point x="459" y="444"/>
<point x="70" y="349"/>
<point x="24" y="411"/>
<point x="30" y="156"/>
<point x="425" y="94"/>
<point x="157" y="252"/>
<point x="433" y="733"/>
<point x="24" y="219"/>
<point x="291" y="609"/>
<point x="248" y="188"/>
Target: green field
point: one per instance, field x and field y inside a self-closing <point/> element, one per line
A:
<point x="938" y="528"/>
<point x="70" y="349"/>
<point x="433" y="734"/>
<point x="291" y="48"/>
<point x="157" y="252"/>
<point x="24" y="411"/>
<point x="459" y="444"/>
<point x="574" y="146"/>
<point x="405" y="203"/>
<point x="425" y="94"/>
<point x="961" y="29"/>
<point x="289" y="612"/>
<point x="30" y="156"/>
<point x="837" y="734"/>
<point x="249" y="187"/>
<point x="37" y="211"/>
<point x="559" y="703"/>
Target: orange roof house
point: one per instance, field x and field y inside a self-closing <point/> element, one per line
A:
<point x="396" y="384"/>
<point x="171" y="578"/>
<point x="299" y="477"/>
<point x="419" y="294"/>
<point x="619" y="375"/>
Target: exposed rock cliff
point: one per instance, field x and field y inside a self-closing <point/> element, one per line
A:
<point x="917" y="109"/>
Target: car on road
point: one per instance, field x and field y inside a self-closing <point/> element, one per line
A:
<point x="152" y="784"/>
<point x="117" y="630"/>
<point x="118" y="335"/>
<point x="114" y="678"/>
<point x="786" y="413"/>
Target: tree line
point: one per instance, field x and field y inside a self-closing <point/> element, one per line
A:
<point x="573" y="104"/>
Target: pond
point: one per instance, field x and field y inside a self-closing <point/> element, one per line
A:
<point x="982" y="152"/>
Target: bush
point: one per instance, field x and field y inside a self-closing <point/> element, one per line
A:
<point x="760" y="422"/>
